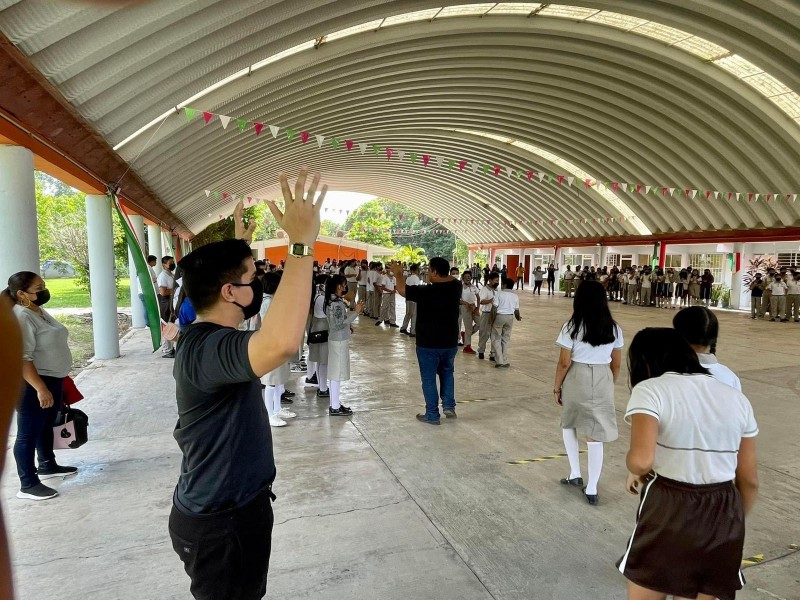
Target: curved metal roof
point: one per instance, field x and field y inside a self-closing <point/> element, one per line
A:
<point x="699" y="95"/>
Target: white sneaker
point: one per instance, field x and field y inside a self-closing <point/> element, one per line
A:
<point x="276" y="421"/>
<point x="285" y="413"/>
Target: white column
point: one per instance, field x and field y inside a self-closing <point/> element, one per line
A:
<point x="137" y="308"/>
<point x="19" y="238"/>
<point x="101" y="277"/>
<point x="369" y="253"/>
<point x="738" y="299"/>
<point x="154" y="245"/>
<point x="603" y="256"/>
<point x="471" y="258"/>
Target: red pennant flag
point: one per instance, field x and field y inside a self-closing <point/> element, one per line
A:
<point x="462" y="165"/>
<point x="787" y="197"/>
<point x="615" y="186"/>
<point x="708" y="195"/>
<point x="304" y="136"/>
<point x="497" y="170"/>
<point x="530" y="175"/>
<point x="588" y="183"/>
<point x="639" y="187"/>
<point x="560" y="179"/>
<point x="769" y="197"/>
<point x="730" y="195"/>
<point x="249" y="199"/>
<point x="686" y="192"/>
<point x="207" y="116"/>
<point x="225" y="195"/>
<point x="750" y="196"/>
<point x="348" y="144"/>
<point x="258" y="127"/>
<point x="389" y="153"/>
<point x="426" y="159"/>
<point x="664" y="191"/>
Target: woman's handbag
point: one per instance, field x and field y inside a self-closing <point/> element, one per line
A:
<point x="318" y="337"/>
<point x="71" y="429"/>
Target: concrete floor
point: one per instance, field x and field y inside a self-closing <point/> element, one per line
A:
<point x="383" y="507"/>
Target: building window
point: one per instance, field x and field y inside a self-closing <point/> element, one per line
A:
<point x="612" y="260"/>
<point x="542" y="260"/>
<point x="581" y="260"/>
<point x="713" y="262"/>
<point x="673" y="261"/>
<point x="788" y="259"/>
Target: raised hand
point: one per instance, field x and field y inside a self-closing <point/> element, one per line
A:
<point x="301" y="216"/>
<point x="240" y="232"/>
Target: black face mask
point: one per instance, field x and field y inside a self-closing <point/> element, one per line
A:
<point x="251" y="310"/>
<point x="171" y="267"/>
<point x="42" y="297"/>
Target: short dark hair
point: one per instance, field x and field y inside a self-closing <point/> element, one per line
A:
<point x="440" y="266"/>
<point x="210" y="267"/>
<point x="509" y="283"/>
<point x="414" y="267"/>
<point x="698" y="326"/>
<point x="271" y="281"/>
<point x="166" y="259"/>
<point x="493" y="275"/>
<point x="658" y="350"/>
<point x="151" y="258"/>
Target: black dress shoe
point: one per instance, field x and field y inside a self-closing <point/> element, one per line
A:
<point x="424" y="419"/>
<point x="578" y="481"/>
<point x="591" y="498"/>
<point x="325" y="394"/>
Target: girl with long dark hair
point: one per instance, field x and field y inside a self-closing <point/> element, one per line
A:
<point x="318" y="352"/>
<point x="700" y="327"/>
<point x="588" y="366"/>
<point x="340" y="320"/>
<point x="274" y="382"/>
<point x="693" y="452"/>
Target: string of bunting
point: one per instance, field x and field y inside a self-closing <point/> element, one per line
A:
<point x="450" y="222"/>
<point x="485" y="168"/>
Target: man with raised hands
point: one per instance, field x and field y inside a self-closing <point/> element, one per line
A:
<point x="221" y="519"/>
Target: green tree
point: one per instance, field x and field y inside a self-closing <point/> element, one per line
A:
<point x="370" y="224"/>
<point x="409" y="255"/>
<point x="328" y="227"/>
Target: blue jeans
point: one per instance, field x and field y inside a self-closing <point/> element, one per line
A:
<point x="433" y="362"/>
<point x="35" y="430"/>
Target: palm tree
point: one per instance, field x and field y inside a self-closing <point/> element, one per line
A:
<point x="409" y="255"/>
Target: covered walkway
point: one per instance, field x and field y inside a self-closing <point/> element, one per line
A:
<point x="382" y="507"/>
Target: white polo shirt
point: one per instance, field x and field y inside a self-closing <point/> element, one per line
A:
<point x="362" y="278"/>
<point x="470" y="294"/>
<point x="718" y="371"/>
<point x="165" y="280"/>
<point x="583" y="352"/>
<point x="778" y="288"/>
<point x="351" y="274"/>
<point x="413" y="280"/>
<point x="793" y="287"/>
<point x="506" y="302"/>
<point x="486" y="293"/>
<point x="388" y="284"/>
<point x="701" y="423"/>
<point x="372" y="277"/>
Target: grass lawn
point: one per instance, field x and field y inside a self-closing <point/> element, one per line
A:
<point x="66" y="294"/>
<point x="81" y="339"/>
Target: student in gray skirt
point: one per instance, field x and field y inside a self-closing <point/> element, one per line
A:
<point x="588" y="366"/>
<point x="340" y="321"/>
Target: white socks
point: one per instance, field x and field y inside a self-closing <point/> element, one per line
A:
<point x="311" y="368"/>
<point x="322" y="376"/>
<point x="336" y="387"/>
<point x="595" y="466"/>
<point x="571" y="445"/>
<point x="270" y="395"/>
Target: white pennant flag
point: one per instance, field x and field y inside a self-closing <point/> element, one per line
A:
<point x="716" y="195"/>
<point x="508" y="171"/>
<point x="737" y="195"/>
<point x="647" y="189"/>
<point x="274" y="130"/>
<point x="401" y="154"/>
<point x="757" y="196"/>
<point x="439" y="160"/>
<point x="624" y="186"/>
<point x="671" y="191"/>
<point x="208" y="193"/>
<point x="363" y="147"/>
<point x="570" y="180"/>
<point x="794" y="197"/>
<point x="694" y="193"/>
<point x="474" y="167"/>
<point x="224" y="120"/>
<point x="320" y="139"/>
<point x="541" y="176"/>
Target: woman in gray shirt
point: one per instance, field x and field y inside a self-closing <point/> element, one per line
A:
<point x="46" y="361"/>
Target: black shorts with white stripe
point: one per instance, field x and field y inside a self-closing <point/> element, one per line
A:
<point x="688" y="540"/>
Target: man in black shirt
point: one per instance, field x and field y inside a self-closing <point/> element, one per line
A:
<point x="221" y="519"/>
<point x="437" y="335"/>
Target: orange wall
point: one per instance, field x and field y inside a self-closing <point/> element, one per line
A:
<point x="322" y="250"/>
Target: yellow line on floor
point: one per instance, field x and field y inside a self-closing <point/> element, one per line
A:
<point x="540" y="459"/>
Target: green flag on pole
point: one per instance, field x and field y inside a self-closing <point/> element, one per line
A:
<point x="143" y="273"/>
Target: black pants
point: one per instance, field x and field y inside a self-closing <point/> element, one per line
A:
<point x="35" y="430"/>
<point x="537" y="287"/>
<point x="165" y="307"/>
<point x="226" y="554"/>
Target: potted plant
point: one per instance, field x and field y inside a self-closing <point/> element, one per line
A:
<point x="716" y="294"/>
<point x="726" y="297"/>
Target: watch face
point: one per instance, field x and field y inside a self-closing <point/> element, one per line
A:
<point x="298" y="249"/>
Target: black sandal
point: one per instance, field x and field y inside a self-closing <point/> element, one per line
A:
<point x="577" y="482"/>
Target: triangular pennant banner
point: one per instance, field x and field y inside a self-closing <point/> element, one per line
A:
<point x="224" y="119"/>
<point x="570" y="180"/>
<point x="258" y="127"/>
<point x="241" y="124"/>
<point x="274" y="129"/>
<point x="348" y="144"/>
<point x="647" y="189"/>
<point x="508" y="171"/>
<point x="716" y="195"/>
<point x="363" y="148"/>
<point x="439" y="160"/>
<point x="190" y="113"/>
<point x="207" y="116"/>
<point x="320" y="139"/>
<point x="304" y="135"/>
<point x="208" y="193"/>
<point x="426" y="158"/>
<point x="474" y="167"/>
<point x="401" y="154"/>
<point x="541" y="176"/>
<point x="694" y="193"/>
<point x="290" y="133"/>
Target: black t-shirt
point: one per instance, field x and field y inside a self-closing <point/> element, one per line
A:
<point x="223" y="427"/>
<point x="757" y="292"/>
<point x="437" y="313"/>
<point x="551" y="274"/>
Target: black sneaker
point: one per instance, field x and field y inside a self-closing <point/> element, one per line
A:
<point x="287" y="399"/>
<point x="169" y="354"/>
<point x="450" y="413"/>
<point x="288" y="394"/>
<point x="404" y="331"/>
<point x="424" y="419"/>
<point x="48" y="471"/>
<point x="342" y="411"/>
<point x="393" y="325"/>
<point x="480" y="355"/>
<point x="491" y="358"/>
<point x="312" y="380"/>
<point x="325" y="394"/>
<point x="37" y="492"/>
<point x="378" y="322"/>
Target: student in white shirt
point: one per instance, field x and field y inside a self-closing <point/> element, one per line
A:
<point x="362" y="283"/>
<point x="485" y="302"/>
<point x="588" y="366"/>
<point x="165" y="283"/>
<point x="352" y="273"/>
<point x="274" y="382"/>
<point x="700" y="327"/>
<point x="468" y="313"/>
<point x="693" y="451"/>
<point x="793" y="298"/>
<point x="410" y="320"/>
<point x="387" y="284"/>
<point x="507" y="304"/>
<point x="778" y="289"/>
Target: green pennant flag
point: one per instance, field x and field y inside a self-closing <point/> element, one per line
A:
<point x="143" y="275"/>
<point x="190" y="113"/>
<point x="217" y="195"/>
<point x="376" y="149"/>
<point x="550" y="178"/>
<point x="335" y="143"/>
<point x="451" y="163"/>
<point x="241" y="123"/>
<point x="485" y="169"/>
<point x="290" y="133"/>
<point x="413" y="157"/>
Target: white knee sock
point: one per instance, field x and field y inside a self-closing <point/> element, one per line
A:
<point x="279" y="389"/>
<point x="312" y="368"/>
<point x="571" y="445"/>
<point x="595" y="466"/>
<point x="322" y="376"/>
<point x="269" y="399"/>
<point x="336" y="386"/>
